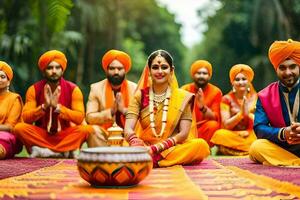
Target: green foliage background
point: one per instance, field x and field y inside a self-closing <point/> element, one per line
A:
<point x="237" y="32"/>
<point x="242" y="32"/>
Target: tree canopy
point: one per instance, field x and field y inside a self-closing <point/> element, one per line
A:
<point x="242" y="32"/>
<point x="84" y="30"/>
<point x="238" y="32"/>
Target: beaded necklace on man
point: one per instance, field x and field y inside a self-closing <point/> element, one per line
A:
<point x="153" y="98"/>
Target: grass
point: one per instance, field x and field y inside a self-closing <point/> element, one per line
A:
<point x="23" y="153"/>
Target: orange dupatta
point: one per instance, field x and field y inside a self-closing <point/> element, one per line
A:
<point x="110" y="99"/>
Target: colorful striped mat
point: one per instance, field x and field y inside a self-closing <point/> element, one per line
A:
<point x="212" y="179"/>
<point x="19" y="166"/>
<point x="231" y="182"/>
<point x="291" y="175"/>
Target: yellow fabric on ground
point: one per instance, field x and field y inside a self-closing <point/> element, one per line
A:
<point x="62" y="181"/>
<point x="193" y="150"/>
<point x="241" y="135"/>
<point x="232" y="139"/>
<point x="265" y="152"/>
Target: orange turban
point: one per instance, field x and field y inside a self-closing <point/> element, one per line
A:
<point x="241" y="68"/>
<point x="7" y="70"/>
<point x="50" y="56"/>
<point x="112" y="55"/>
<point x="199" y="64"/>
<point x="281" y="50"/>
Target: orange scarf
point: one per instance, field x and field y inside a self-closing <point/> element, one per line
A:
<point x="110" y="99"/>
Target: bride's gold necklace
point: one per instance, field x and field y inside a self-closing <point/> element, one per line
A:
<point x="165" y="97"/>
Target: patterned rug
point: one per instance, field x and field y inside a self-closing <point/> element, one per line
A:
<point x="62" y="181"/>
<point x="231" y="182"/>
<point x="212" y="179"/>
<point x="19" y="166"/>
<point x="291" y="175"/>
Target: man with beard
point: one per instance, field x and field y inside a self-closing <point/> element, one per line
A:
<point x="206" y="107"/>
<point x="109" y="98"/>
<point x="277" y="115"/>
<point x="55" y="107"/>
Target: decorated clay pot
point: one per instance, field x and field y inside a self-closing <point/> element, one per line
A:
<point x="114" y="166"/>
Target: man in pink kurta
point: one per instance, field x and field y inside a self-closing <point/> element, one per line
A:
<point x="277" y="113"/>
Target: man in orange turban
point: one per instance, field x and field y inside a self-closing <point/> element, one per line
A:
<point x="50" y="56"/>
<point x="207" y="100"/>
<point x="109" y="98"/>
<point x="277" y="113"/>
<point x="283" y="50"/>
<point x="55" y="107"/>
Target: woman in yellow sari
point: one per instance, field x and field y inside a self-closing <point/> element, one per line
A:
<point x="237" y="108"/>
<point x="164" y="113"/>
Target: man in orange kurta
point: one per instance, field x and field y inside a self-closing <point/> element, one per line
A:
<point x="108" y="99"/>
<point x="207" y="100"/>
<point x="53" y="112"/>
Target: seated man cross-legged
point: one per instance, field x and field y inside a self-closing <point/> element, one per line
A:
<point x="206" y="108"/>
<point x="53" y="112"/>
<point x="109" y="98"/>
<point x="277" y="113"/>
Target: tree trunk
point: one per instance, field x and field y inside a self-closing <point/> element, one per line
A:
<point x="80" y="66"/>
